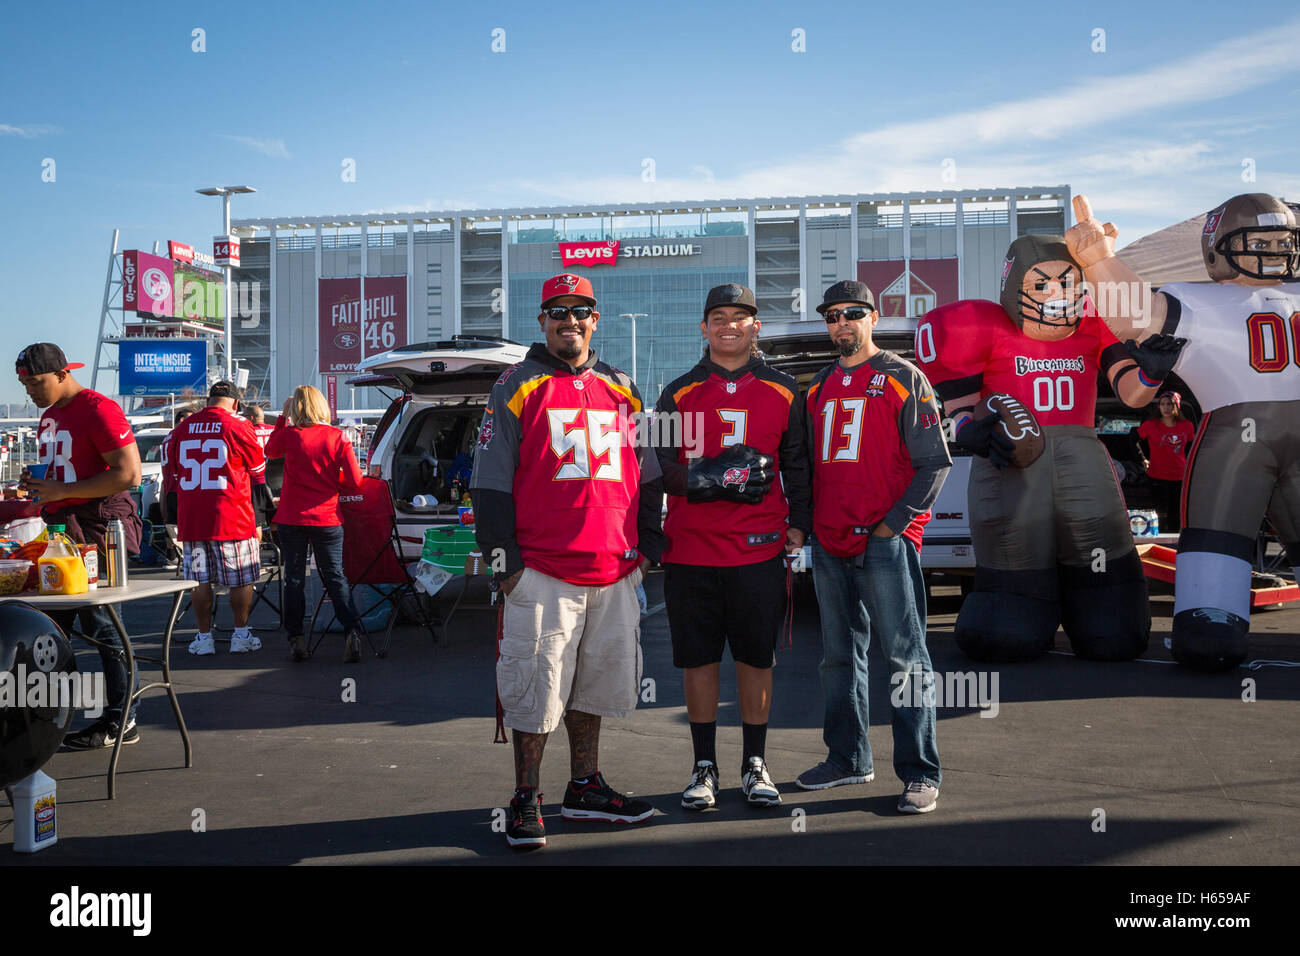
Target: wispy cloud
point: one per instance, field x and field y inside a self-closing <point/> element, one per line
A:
<point x="28" y="132"/>
<point x="1080" y="133"/>
<point x="274" y="148"/>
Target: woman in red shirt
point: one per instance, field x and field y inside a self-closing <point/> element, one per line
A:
<point x="318" y="463"/>
<point x="1168" y="438"/>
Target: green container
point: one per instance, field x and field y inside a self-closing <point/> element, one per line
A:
<point x="447" y="548"/>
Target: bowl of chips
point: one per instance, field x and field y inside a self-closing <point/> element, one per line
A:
<point x="13" y="575"/>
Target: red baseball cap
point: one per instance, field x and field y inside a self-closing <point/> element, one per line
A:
<point x="566" y="283"/>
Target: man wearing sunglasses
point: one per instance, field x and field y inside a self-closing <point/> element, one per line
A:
<point x="730" y="525"/>
<point x="562" y="517"/>
<point x="878" y="462"/>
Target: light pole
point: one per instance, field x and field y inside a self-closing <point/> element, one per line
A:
<point x="225" y="193"/>
<point x="634" y="316"/>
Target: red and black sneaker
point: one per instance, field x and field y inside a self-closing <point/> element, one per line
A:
<point x="526" y="831"/>
<point x="597" y="800"/>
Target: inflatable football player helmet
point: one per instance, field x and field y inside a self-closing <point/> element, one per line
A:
<point x="1042" y="287"/>
<point x="1253" y="235"/>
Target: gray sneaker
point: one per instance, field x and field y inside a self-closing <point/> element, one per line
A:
<point x="827" y="775"/>
<point x="918" y="797"/>
<point x="757" y="785"/>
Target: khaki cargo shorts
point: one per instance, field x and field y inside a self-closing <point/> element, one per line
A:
<point x="568" y="647"/>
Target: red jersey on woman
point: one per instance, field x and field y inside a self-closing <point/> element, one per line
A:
<point x="318" y="462"/>
<point x="214" y="459"/>
<point x="1168" y="447"/>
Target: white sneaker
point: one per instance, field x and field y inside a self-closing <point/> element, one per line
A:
<point x="202" y="646"/>
<point x="759" y="789"/>
<point x="242" y="645"/>
<point x="702" y="792"/>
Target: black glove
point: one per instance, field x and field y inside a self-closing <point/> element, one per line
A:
<point x="740" y="473"/>
<point x="1156" y="356"/>
<point x="985" y="439"/>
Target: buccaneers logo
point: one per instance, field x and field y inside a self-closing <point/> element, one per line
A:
<point x="736" y="476"/>
<point x="570" y="282"/>
<point x="485" y="432"/>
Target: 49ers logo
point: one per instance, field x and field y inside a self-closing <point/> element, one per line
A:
<point x="736" y="476"/>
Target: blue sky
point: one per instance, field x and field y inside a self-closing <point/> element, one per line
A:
<point x="1154" y="129"/>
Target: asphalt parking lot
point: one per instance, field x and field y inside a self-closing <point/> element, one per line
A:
<point x="1083" y="763"/>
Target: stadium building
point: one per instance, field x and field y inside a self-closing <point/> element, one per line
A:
<point x="338" y="288"/>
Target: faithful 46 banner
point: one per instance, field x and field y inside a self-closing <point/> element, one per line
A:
<point x="355" y="324"/>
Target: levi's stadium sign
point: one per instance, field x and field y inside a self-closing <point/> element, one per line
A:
<point x="608" y="252"/>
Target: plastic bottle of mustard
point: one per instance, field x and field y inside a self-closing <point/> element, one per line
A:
<point x="60" y="568"/>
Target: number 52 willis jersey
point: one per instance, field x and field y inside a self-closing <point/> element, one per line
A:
<point x="563" y="445"/>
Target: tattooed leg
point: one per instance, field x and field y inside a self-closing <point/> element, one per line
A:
<point x="584" y="743"/>
<point x="528" y="759"/>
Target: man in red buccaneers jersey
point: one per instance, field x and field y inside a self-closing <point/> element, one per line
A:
<point x="729" y="526"/>
<point x="216" y="459"/>
<point x="561" y="515"/>
<point x="879" y="460"/>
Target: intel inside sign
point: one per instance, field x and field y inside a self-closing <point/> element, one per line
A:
<point x="162" y="368"/>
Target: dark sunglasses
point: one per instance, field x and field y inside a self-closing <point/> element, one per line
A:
<point x="855" y="314"/>
<point x="558" y="313"/>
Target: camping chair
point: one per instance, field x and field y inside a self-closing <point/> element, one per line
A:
<point x="272" y="573"/>
<point x="373" y="554"/>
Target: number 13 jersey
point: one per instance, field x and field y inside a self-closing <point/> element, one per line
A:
<point x="213" y="457"/>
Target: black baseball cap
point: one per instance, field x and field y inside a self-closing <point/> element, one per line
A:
<point x="225" y="389"/>
<point x="847" y="291"/>
<point x="733" y="293"/>
<point x="43" y="357"/>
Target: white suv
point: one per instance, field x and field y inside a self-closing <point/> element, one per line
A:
<point x="424" y="444"/>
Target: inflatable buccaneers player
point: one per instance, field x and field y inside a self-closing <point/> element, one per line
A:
<point x="1241" y="358"/>
<point x="1051" y="532"/>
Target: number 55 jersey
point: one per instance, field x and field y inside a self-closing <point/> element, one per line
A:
<point x="561" y="442"/>
<point x="213" y="458"/>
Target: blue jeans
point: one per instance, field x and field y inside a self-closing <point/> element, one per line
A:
<point x="95" y="622"/>
<point x="327" y="544"/>
<point x="886" y="595"/>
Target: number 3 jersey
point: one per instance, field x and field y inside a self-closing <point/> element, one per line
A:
<point x="561" y="442"/>
<point x="213" y="458"/>
<point x="971" y="346"/>
<point x="700" y="414"/>
<point x="1243" y="342"/>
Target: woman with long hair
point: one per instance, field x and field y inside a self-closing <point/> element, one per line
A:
<point x="318" y="463"/>
<point x="1168" y="437"/>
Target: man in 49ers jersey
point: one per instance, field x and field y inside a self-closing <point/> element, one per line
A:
<point x="215" y="459"/>
<point x="562" y="518"/>
<point x="1236" y="343"/>
<point x="729" y="525"/>
<point x="1052" y="540"/>
<point x="91" y="459"/>
<point x="878" y="462"/>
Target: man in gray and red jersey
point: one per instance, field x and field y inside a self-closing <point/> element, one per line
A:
<point x="729" y="526"/>
<point x="878" y="462"/>
<point x="563" y="514"/>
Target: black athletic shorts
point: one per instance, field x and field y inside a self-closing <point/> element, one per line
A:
<point x="708" y="607"/>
